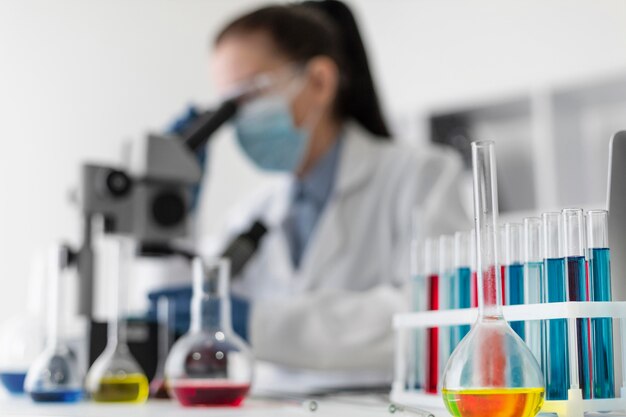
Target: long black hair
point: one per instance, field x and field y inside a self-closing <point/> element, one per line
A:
<point x="305" y="30"/>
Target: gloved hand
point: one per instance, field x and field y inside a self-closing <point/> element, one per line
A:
<point x="240" y="315"/>
<point x="179" y="127"/>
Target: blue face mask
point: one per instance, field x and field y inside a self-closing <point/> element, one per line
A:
<point x="268" y="136"/>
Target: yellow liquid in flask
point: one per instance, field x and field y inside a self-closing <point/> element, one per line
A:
<point x="494" y="402"/>
<point x="130" y="388"/>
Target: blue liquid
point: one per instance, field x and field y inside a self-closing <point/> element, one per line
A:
<point x="515" y="287"/>
<point x="447" y="338"/>
<point x="455" y="301"/>
<point x="602" y="329"/>
<point x="577" y="280"/>
<point x="60" y="396"/>
<point x="533" y="273"/>
<point x="556" y="357"/>
<point x="13" y="381"/>
<point x="464" y="279"/>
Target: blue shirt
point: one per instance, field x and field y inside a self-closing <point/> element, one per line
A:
<point x="311" y="193"/>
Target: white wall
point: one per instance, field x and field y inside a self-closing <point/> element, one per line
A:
<point x="77" y="77"/>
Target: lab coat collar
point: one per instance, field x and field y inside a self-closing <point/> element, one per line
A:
<point x="356" y="166"/>
<point x="358" y="159"/>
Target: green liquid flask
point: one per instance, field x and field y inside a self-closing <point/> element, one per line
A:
<point x="115" y="376"/>
<point x="491" y="372"/>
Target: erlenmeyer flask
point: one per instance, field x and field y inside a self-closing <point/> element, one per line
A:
<point x="55" y="376"/>
<point x="492" y="372"/>
<point x="115" y="376"/>
<point x="210" y="365"/>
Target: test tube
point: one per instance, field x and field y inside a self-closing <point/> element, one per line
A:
<point x="474" y="296"/>
<point x="556" y="353"/>
<point x="599" y="257"/>
<point x="502" y="261"/>
<point x="447" y="292"/>
<point x="431" y="269"/>
<point x="515" y="270"/>
<point x="463" y="264"/>
<point x="533" y="283"/>
<point x="419" y="302"/>
<point x="574" y="229"/>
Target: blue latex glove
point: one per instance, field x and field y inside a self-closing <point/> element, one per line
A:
<point x="181" y="297"/>
<point x="178" y="127"/>
<point x="240" y="315"/>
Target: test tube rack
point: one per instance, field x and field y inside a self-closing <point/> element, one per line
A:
<point x="574" y="406"/>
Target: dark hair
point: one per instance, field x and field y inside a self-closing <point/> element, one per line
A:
<point x="328" y="27"/>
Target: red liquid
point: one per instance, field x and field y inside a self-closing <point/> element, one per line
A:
<point x="432" y="376"/>
<point x="502" y="272"/>
<point x="192" y="393"/>
<point x="474" y="289"/>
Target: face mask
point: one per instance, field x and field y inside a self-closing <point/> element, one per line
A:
<point x="268" y="136"/>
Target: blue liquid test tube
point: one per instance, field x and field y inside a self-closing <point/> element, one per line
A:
<point x="447" y="296"/>
<point x="556" y="353"/>
<point x="599" y="258"/>
<point x="463" y="264"/>
<point x="419" y="302"/>
<point x="574" y="229"/>
<point x="514" y="272"/>
<point x="533" y="284"/>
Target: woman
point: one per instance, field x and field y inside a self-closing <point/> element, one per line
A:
<point x="328" y="276"/>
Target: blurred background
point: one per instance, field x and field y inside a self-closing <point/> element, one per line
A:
<point x="545" y="80"/>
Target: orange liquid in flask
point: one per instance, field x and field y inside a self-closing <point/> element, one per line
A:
<point x="494" y="402"/>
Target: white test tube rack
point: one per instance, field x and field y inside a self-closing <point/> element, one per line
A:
<point x="574" y="406"/>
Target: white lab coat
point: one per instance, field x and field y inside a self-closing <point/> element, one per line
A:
<point x="335" y="312"/>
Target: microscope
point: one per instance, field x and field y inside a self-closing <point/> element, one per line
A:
<point x="149" y="199"/>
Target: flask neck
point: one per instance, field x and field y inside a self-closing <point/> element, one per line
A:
<point x="490" y="294"/>
<point x="210" y="313"/>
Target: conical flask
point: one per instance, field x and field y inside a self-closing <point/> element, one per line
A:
<point x="56" y="375"/>
<point x="210" y="365"/>
<point x="491" y="372"/>
<point x="116" y="376"/>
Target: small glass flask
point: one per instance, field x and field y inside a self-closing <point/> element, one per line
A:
<point x="210" y="365"/>
<point x="56" y="375"/>
<point x="116" y="377"/>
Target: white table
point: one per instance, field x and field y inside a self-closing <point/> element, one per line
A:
<point x="23" y="407"/>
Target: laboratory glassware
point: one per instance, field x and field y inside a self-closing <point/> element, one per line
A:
<point x="432" y="273"/>
<point x="210" y="365"/>
<point x="556" y="352"/>
<point x="463" y="264"/>
<point x="492" y="372"/>
<point x="116" y="376"/>
<point x="22" y="335"/>
<point x="599" y="256"/>
<point x="165" y="336"/>
<point x="419" y="302"/>
<point x="474" y="299"/>
<point x="515" y="270"/>
<point x="577" y="285"/>
<point x="447" y="296"/>
<point x="56" y="375"/>
<point x="533" y="283"/>
<point x="502" y="262"/>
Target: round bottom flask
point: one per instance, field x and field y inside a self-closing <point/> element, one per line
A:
<point x="55" y="376"/>
<point x="210" y="365"/>
<point x="492" y="372"/>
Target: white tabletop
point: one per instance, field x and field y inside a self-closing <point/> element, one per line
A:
<point x="253" y="407"/>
